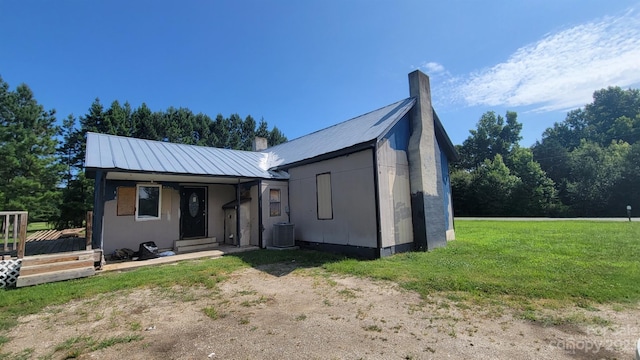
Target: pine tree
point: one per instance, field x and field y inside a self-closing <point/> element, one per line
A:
<point x="30" y="171"/>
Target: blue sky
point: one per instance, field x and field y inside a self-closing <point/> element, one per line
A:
<point x="306" y="65"/>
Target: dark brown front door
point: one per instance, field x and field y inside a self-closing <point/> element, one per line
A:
<point x="193" y="212"/>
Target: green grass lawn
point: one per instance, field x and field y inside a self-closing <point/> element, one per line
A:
<point x="564" y="260"/>
<point x="37" y="226"/>
<point x="567" y="261"/>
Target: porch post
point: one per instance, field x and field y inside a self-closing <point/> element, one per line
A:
<point x="238" y="234"/>
<point x="88" y="234"/>
<point x="22" y="241"/>
<point x="98" y="210"/>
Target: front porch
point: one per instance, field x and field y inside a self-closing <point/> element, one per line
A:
<point x="219" y="251"/>
<point x="42" y="259"/>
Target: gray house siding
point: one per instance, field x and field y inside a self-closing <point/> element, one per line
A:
<point x="218" y="195"/>
<point x="126" y="232"/>
<point x="353" y="202"/>
<point x="269" y="220"/>
<point x="448" y="200"/>
<point x="395" y="189"/>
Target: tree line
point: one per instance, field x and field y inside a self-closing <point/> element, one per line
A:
<point x="587" y="165"/>
<point x="42" y="161"/>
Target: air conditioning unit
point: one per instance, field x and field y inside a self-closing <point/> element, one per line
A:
<point x="283" y="235"/>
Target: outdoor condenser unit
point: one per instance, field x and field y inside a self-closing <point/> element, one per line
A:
<point x="283" y="235"/>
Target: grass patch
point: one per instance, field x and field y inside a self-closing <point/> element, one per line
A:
<point x="3" y="340"/>
<point x="375" y="328"/>
<point x="38" y="226"/>
<point x="116" y="340"/>
<point x="347" y="293"/>
<point x="25" y="354"/>
<point x="211" y="312"/>
<point x="78" y="345"/>
<point x="575" y="261"/>
<point x="575" y="318"/>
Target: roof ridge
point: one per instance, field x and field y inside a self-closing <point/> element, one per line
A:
<point x="337" y="124"/>
<point x="172" y="143"/>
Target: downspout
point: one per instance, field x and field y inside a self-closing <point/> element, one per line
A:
<point x="377" y="199"/>
<point x="260" y="225"/>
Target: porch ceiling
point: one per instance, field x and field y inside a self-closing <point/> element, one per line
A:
<point x="176" y="178"/>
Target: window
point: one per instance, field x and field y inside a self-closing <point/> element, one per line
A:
<point x="274" y="202"/>
<point x="323" y="192"/>
<point x="148" y="202"/>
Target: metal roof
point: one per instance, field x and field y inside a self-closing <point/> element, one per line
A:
<point x="110" y="152"/>
<point x="359" y="130"/>
<point x="117" y="153"/>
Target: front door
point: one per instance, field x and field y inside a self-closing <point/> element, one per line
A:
<point x="193" y="212"/>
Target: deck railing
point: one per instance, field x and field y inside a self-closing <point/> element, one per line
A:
<point x="14" y="231"/>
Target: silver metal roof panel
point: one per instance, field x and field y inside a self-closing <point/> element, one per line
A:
<point x="358" y="130"/>
<point x="110" y="152"/>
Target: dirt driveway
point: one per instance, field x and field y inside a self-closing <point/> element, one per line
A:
<point x="280" y="312"/>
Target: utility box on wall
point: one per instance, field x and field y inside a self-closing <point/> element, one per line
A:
<point x="283" y="235"/>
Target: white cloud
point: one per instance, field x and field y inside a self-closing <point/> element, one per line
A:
<point x="562" y="70"/>
<point x="432" y="67"/>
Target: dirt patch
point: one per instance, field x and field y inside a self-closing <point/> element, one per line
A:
<point x="278" y="312"/>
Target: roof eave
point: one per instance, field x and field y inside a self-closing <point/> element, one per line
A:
<point x="328" y="156"/>
<point x="444" y="140"/>
<point x="400" y="117"/>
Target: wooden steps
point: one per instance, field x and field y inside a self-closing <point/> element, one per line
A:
<point x="184" y="246"/>
<point x="42" y="269"/>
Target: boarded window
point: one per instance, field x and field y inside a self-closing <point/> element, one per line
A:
<point x="126" y="197"/>
<point x="274" y="202"/>
<point x="323" y="192"/>
<point x="148" y="202"/>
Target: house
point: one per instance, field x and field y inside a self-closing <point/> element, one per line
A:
<point x="370" y="186"/>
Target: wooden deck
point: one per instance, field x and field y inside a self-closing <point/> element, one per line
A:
<point x="50" y="255"/>
<point x="41" y="269"/>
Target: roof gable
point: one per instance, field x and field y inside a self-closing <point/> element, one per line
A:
<point x="359" y="130"/>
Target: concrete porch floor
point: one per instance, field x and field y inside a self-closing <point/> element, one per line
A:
<point x="212" y="254"/>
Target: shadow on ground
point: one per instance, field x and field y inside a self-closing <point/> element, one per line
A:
<point x="283" y="262"/>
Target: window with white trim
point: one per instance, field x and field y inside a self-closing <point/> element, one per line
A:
<point x="148" y="202"/>
<point x="323" y="193"/>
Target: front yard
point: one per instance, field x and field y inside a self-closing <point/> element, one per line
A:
<point x="502" y="290"/>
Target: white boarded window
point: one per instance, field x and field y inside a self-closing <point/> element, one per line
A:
<point x="323" y="192"/>
<point x="148" y="200"/>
